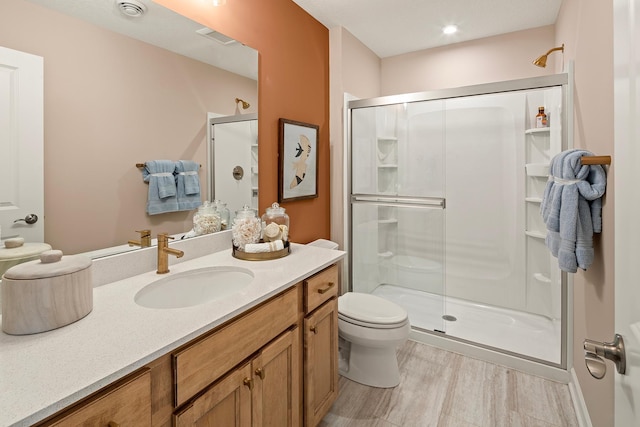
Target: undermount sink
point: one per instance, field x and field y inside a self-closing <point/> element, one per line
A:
<point x="193" y="287"/>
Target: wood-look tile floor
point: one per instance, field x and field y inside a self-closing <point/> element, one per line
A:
<point x="444" y="389"/>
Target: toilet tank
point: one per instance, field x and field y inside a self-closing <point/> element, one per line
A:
<point x="322" y="243"/>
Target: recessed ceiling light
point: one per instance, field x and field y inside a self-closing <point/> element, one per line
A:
<point x="450" y="29"/>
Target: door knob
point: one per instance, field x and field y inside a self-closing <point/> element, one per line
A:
<point x="613" y="351"/>
<point x="29" y="219"/>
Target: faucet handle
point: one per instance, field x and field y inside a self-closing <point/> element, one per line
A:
<point x="145" y="239"/>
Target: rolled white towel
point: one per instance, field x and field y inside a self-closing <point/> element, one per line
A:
<point x="255" y="248"/>
<point x="272" y="232"/>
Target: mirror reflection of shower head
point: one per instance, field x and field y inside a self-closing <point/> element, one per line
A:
<point x="245" y="104"/>
<point x="542" y="60"/>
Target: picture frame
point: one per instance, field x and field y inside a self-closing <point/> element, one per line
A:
<point x="297" y="160"/>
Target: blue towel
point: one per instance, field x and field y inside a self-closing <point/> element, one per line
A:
<point x="188" y="185"/>
<point x="572" y="209"/>
<point x="162" y="186"/>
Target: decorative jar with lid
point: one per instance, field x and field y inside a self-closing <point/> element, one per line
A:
<point x="246" y="227"/>
<point x="206" y="220"/>
<point x="275" y="224"/>
<point x="223" y="211"/>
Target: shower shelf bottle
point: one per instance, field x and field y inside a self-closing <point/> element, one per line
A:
<point x="541" y="118"/>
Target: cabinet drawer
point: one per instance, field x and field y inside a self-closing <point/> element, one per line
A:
<point x="203" y="362"/>
<point x="128" y="403"/>
<point x="320" y="288"/>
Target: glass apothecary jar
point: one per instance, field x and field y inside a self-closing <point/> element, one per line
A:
<point x="246" y="227"/>
<point x="275" y="224"/>
<point x="206" y="220"/>
<point x="224" y="213"/>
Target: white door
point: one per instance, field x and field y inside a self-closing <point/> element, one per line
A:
<point x="21" y="145"/>
<point x="626" y="163"/>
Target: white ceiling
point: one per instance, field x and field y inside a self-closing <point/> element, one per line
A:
<point x="387" y="27"/>
<point x="394" y="27"/>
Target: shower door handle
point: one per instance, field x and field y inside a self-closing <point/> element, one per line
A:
<point x="399" y="201"/>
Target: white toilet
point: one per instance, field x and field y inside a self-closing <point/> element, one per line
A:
<point x="370" y="330"/>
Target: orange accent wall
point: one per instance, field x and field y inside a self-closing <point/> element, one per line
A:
<point x="293" y="83"/>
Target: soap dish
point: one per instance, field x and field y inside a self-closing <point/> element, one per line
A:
<point x="260" y="256"/>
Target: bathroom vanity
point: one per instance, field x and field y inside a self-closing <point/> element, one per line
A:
<point x="264" y="355"/>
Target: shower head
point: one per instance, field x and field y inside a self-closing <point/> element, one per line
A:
<point x="542" y="60"/>
<point x="245" y="104"/>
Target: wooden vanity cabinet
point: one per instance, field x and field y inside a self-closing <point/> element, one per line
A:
<point x="261" y="392"/>
<point x="124" y="403"/>
<point x="253" y="370"/>
<point x="320" y="344"/>
<point x="245" y="374"/>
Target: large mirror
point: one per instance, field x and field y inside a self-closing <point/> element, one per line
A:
<point x="119" y="91"/>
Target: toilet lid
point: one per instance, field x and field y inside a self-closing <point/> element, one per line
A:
<point x="370" y="309"/>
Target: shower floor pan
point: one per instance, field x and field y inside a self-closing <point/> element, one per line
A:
<point x="517" y="332"/>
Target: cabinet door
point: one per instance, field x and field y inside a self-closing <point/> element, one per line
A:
<point x="226" y="403"/>
<point x="127" y="404"/>
<point x="276" y="370"/>
<point x="320" y="362"/>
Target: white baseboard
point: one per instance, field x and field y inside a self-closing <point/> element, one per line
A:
<point x="579" y="404"/>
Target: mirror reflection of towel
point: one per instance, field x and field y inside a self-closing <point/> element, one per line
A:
<point x="162" y="186"/>
<point x="187" y="184"/>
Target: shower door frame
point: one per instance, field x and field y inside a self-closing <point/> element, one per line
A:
<point x="544" y="368"/>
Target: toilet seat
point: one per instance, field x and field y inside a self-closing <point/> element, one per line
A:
<point x="370" y="311"/>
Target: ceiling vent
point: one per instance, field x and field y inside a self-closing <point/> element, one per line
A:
<point x="214" y="35"/>
<point x="131" y="8"/>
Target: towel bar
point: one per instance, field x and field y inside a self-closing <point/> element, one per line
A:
<point x="595" y="160"/>
<point x="141" y="165"/>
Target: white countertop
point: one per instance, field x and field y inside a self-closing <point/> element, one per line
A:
<point x="43" y="373"/>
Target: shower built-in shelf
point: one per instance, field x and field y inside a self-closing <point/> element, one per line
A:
<point x="385" y="255"/>
<point x="536" y="234"/>
<point x="537" y="170"/>
<point x="537" y="130"/>
<point x="393" y="166"/>
<point x="387" y="151"/>
<point x="388" y="221"/>
<point x="541" y="278"/>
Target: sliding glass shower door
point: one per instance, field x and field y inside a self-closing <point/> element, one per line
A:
<point x="445" y="199"/>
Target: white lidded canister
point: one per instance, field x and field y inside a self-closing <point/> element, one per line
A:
<point x="46" y="294"/>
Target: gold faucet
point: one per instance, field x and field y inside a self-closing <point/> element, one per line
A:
<point x="164" y="251"/>
<point x="145" y="239"/>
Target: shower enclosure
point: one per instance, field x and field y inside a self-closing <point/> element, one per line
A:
<point x="444" y="212"/>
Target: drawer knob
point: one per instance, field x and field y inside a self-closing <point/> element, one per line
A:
<point x="324" y="290"/>
<point x="259" y="372"/>
<point x="248" y="382"/>
<point x="313" y="329"/>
